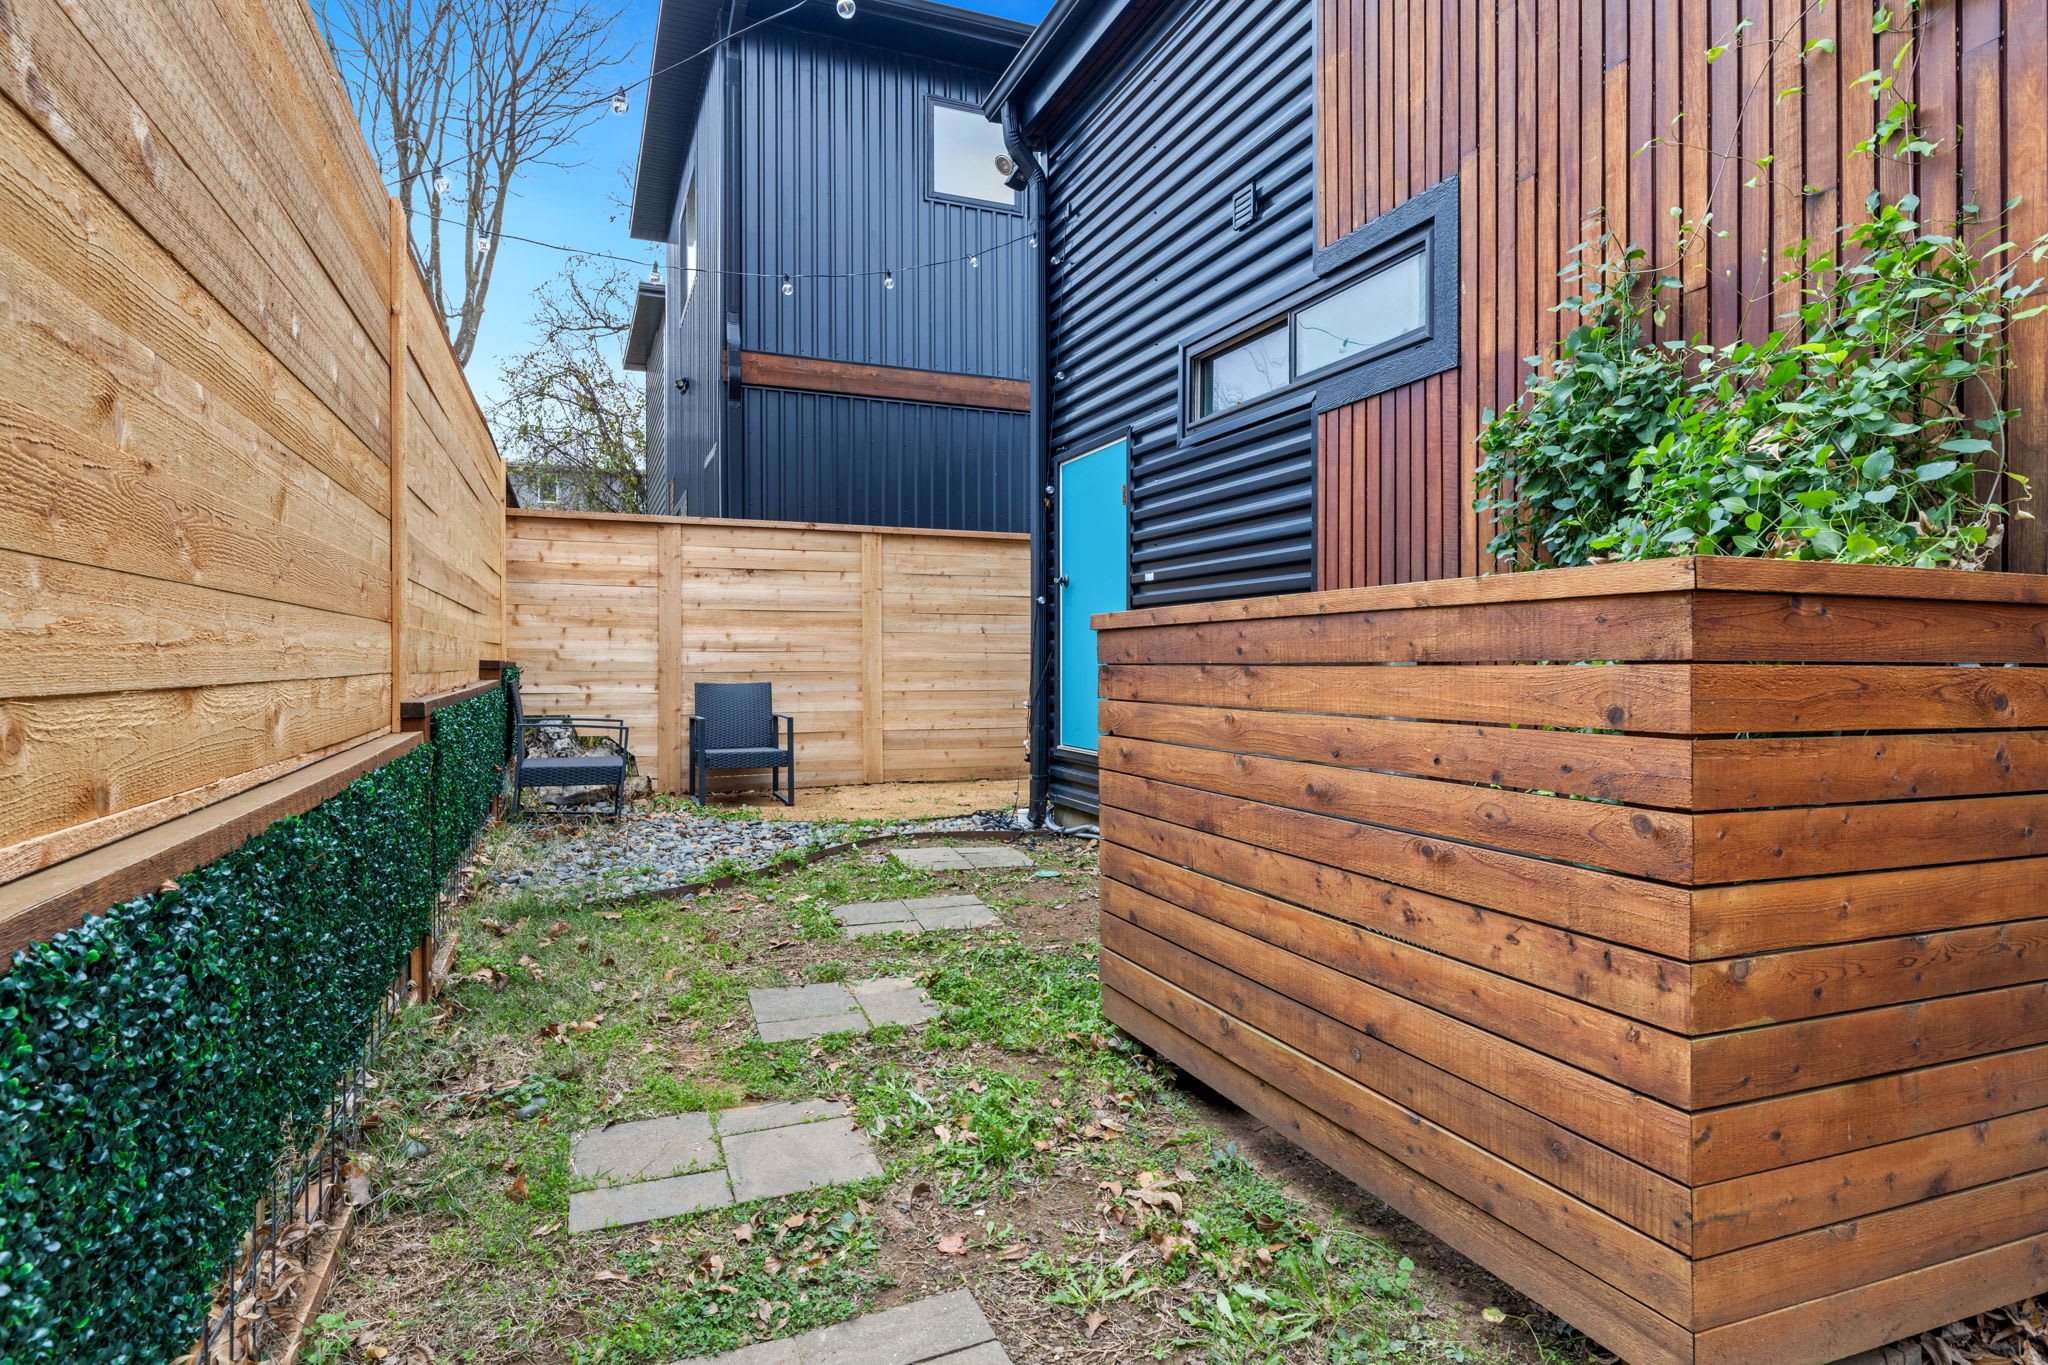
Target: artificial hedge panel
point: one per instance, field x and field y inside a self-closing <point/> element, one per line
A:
<point x="470" y="738"/>
<point x="158" y="1061"/>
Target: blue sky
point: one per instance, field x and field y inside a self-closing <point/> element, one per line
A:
<point x="574" y="206"/>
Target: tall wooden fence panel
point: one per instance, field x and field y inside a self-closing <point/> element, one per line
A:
<point x="197" y="287"/>
<point x="901" y="654"/>
<point x="1550" y="111"/>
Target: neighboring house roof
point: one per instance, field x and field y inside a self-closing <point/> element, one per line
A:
<point x="1078" y="39"/>
<point x="646" y="325"/>
<point x="675" y="93"/>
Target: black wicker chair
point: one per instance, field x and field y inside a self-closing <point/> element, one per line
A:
<point x="736" y="727"/>
<point x="591" y="768"/>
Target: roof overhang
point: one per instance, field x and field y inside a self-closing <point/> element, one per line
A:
<point x="648" y="307"/>
<point x="677" y="87"/>
<point x="1064" y="55"/>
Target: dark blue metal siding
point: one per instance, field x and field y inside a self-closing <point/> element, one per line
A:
<point x="655" y="452"/>
<point x="866" y="461"/>
<point x="1219" y="94"/>
<point x="832" y="176"/>
<point x="694" y="347"/>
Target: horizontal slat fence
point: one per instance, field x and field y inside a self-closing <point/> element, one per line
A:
<point x="200" y="303"/>
<point x="1669" y="938"/>
<point x="902" y="654"/>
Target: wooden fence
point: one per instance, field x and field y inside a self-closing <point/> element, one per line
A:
<point x="902" y="655"/>
<point x="226" y="412"/>
<point x="1701" y="998"/>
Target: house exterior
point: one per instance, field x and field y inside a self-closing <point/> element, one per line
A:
<point x="840" y="333"/>
<point x="1275" y="308"/>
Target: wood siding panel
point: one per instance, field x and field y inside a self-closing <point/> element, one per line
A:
<point x="1604" y="115"/>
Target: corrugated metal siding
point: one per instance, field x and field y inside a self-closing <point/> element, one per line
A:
<point x="824" y="457"/>
<point x="832" y="180"/>
<point x="1230" y="516"/>
<point x="695" y="420"/>
<point x="1142" y="176"/>
<point x="655" y="453"/>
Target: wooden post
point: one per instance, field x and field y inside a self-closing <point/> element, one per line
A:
<point x="400" y="249"/>
<point x="871" y="733"/>
<point x="668" y="666"/>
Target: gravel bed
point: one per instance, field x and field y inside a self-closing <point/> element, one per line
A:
<point x="653" y="849"/>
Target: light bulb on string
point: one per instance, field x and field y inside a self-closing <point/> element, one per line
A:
<point x="888" y="279"/>
<point x="619" y="101"/>
<point x="1034" y="241"/>
<point x="788" y="286"/>
<point x="654" y="273"/>
<point x="440" y="181"/>
<point x="845" y="9"/>
<point x="974" y="261"/>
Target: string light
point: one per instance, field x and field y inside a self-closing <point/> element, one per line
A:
<point x="787" y="278"/>
<point x="974" y="261"/>
<point x="440" y="181"/>
<point x="845" y="9"/>
<point x="620" y="104"/>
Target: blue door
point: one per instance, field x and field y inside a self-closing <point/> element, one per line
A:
<point x="1094" y="576"/>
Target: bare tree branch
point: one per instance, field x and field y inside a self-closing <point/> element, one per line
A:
<point x="479" y="92"/>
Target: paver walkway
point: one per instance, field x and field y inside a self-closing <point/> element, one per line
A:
<point x="949" y="1329"/>
<point x="914" y="916"/>
<point x="785" y="1012"/>
<point x="659" y="1168"/>
<point x="962" y="859"/>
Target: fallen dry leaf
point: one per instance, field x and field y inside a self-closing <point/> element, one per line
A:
<point x="953" y="1244"/>
<point x="517" y="1189"/>
<point x="1093" y="1325"/>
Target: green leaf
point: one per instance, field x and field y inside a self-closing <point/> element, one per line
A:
<point x="1936" y="469"/>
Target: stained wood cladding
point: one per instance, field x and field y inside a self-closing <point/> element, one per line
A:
<point x="1699" y="989"/>
<point x="884" y="381"/>
<point x="902" y="654"/>
<point x="1542" y="110"/>
<point x="196" y="405"/>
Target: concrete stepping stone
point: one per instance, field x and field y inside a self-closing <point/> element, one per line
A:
<point x="769" y="1162"/>
<point x="783" y="1013"/>
<point x="618" y="1206"/>
<point x="918" y="916"/>
<point x="761" y="1151"/>
<point x="652" y="1149"/>
<point x="950" y="1328"/>
<point x="962" y="859"/>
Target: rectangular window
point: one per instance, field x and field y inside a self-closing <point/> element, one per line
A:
<point x="1249" y="369"/>
<point x="965" y="148"/>
<point x="1384" y="314"/>
<point x="1388" y="305"/>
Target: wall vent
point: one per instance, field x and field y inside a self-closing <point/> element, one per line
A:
<point x="1244" y="207"/>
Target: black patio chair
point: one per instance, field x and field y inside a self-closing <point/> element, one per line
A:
<point x="735" y="727"/>
<point x="589" y="768"/>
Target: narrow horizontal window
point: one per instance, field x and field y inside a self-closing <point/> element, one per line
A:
<point x="1386" y="306"/>
<point x="965" y="147"/>
<point x="1250" y="369"/>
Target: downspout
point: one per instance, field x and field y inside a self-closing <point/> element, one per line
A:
<point x="1029" y="176"/>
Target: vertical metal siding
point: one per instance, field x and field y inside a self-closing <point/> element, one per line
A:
<point x="655" y="452"/>
<point x="826" y="457"/>
<point x="694" y="342"/>
<point x="833" y="141"/>
<point x="1142" y="175"/>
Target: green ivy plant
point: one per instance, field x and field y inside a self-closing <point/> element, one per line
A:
<point x="1849" y="434"/>
<point x="159" y="1062"/>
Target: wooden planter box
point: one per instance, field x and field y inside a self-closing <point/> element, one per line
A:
<point x="1696" y="990"/>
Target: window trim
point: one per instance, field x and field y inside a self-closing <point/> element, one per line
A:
<point x="928" y="145"/>
<point x="1427" y="223"/>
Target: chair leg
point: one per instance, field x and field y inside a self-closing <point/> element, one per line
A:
<point x="773" y="775"/>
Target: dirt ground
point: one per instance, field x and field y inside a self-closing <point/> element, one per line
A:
<point x="882" y="800"/>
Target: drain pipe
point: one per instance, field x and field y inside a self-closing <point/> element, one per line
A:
<point x="1029" y="176"/>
